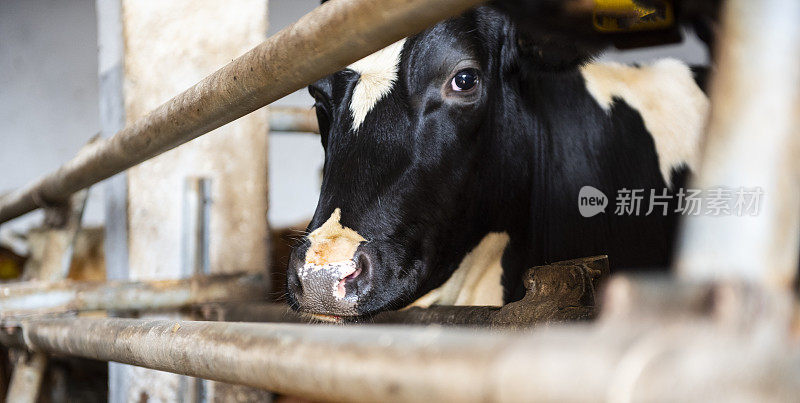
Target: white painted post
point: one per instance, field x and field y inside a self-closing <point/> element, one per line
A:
<point x="158" y="228"/>
<point x="752" y="142"/>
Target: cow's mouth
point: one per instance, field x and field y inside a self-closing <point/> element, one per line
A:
<point x="327" y="318"/>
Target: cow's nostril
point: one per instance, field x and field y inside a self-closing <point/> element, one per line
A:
<point x="363" y="265"/>
<point x="353" y="275"/>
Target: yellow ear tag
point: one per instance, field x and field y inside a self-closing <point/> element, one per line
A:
<point x="8" y="269"/>
<point x="617" y="16"/>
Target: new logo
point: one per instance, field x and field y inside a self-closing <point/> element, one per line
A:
<point x="591" y="202"/>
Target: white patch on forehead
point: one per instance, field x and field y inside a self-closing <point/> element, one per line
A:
<point x="674" y="109"/>
<point x="378" y="73"/>
<point x="478" y="279"/>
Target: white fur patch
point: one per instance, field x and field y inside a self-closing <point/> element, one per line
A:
<point x="673" y="107"/>
<point x="378" y="73"/>
<point x="332" y="242"/>
<point x="477" y="281"/>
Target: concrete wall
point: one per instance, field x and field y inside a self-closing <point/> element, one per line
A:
<point x="169" y="47"/>
<point x="48" y="91"/>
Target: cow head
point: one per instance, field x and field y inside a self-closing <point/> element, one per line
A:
<point x="415" y="174"/>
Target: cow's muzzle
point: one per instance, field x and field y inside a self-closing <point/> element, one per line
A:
<point x="331" y="288"/>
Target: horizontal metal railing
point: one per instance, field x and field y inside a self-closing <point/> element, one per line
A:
<point x="38" y="297"/>
<point x="694" y="362"/>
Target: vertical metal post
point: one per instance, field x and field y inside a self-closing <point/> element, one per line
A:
<point x="195" y="233"/>
<point x="62" y="224"/>
<point x="751" y="143"/>
<point x="26" y="380"/>
<point x="111" y="72"/>
<point x="65" y="222"/>
<point x="195" y="261"/>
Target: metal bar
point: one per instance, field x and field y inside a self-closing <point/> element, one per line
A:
<point x="281" y="313"/>
<point x="195" y="261"/>
<point x="64" y="222"/>
<point x="58" y="240"/>
<point x="695" y="361"/>
<point x="751" y="144"/>
<point x="27" y="378"/>
<point x="195" y="226"/>
<point x="293" y="119"/>
<point x="325" y="40"/>
<point x="68" y="296"/>
<point x="472" y="316"/>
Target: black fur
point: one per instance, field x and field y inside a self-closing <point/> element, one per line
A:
<point x="426" y="177"/>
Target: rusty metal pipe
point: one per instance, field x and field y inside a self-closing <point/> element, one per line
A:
<point x="691" y="361"/>
<point x="281" y="313"/>
<point x="325" y="40"/>
<point x="327" y="362"/>
<point x="75" y="296"/>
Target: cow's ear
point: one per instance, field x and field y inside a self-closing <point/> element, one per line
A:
<point x="553" y="52"/>
<point x="524" y="51"/>
<point x="547" y="43"/>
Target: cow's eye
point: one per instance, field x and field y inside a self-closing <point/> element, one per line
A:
<point x="464" y="80"/>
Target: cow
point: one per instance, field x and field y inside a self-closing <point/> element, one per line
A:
<point x="455" y="159"/>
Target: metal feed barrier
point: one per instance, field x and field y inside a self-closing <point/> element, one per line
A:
<point x="724" y="326"/>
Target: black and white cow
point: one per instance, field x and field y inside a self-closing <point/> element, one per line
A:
<point x="454" y="160"/>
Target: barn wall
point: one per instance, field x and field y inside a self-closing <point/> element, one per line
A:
<point x="48" y="94"/>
